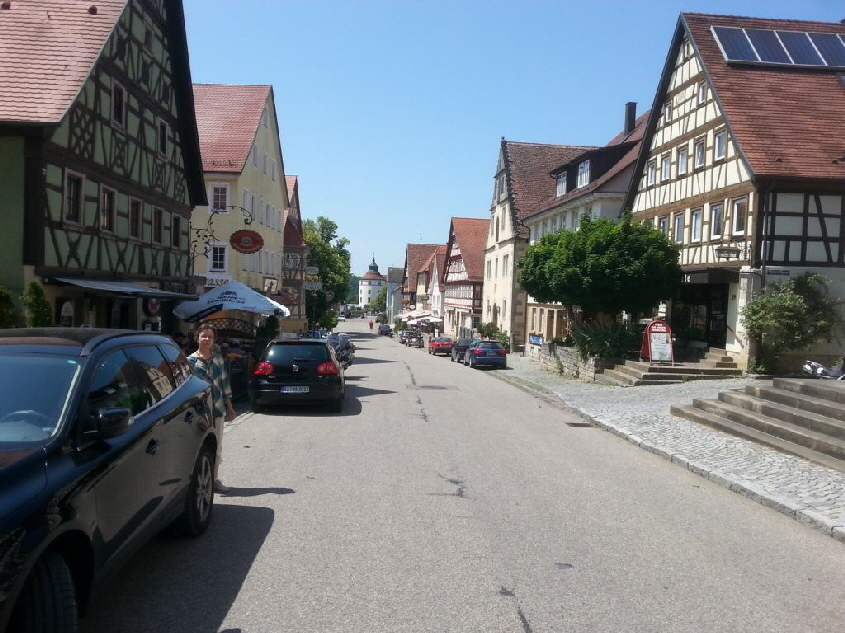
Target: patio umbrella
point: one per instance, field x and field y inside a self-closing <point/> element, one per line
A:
<point x="232" y="295"/>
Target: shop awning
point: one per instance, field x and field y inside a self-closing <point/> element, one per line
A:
<point x="122" y="288"/>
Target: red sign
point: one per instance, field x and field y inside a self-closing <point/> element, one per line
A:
<point x="657" y="342"/>
<point x="246" y="241"/>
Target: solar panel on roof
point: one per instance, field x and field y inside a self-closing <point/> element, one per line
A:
<point x="768" y="46"/>
<point x="831" y="48"/>
<point x="800" y="48"/>
<point x="735" y="45"/>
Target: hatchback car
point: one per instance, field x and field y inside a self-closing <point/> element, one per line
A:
<point x="106" y="437"/>
<point x="486" y="353"/>
<point x="441" y="345"/>
<point x="303" y="370"/>
<point x="385" y="330"/>
<point x="460" y="347"/>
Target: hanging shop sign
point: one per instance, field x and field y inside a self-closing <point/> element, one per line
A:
<point x="246" y="241"/>
<point x="657" y="342"/>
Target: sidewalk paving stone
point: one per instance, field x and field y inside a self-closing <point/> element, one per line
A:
<point x="808" y="492"/>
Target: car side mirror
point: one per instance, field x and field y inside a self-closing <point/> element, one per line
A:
<point x="111" y="422"/>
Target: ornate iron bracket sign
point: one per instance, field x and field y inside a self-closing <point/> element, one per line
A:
<point x="203" y="237"/>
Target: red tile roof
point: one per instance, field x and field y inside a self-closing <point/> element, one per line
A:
<point x="292" y="234"/>
<point x="228" y="117"/>
<point x="438" y="255"/>
<point x="787" y="121"/>
<point x="415" y="256"/>
<point x="471" y="238"/>
<point x="47" y="51"/>
<point x="626" y="161"/>
<point x="527" y="166"/>
<point x="292" y="182"/>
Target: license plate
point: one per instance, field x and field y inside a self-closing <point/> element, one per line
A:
<point x="492" y="353"/>
<point x="295" y="389"/>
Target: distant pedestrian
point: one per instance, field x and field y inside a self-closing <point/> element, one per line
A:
<point x="207" y="363"/>
<point x="371" y="324"/>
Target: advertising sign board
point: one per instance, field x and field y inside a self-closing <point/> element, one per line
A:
<point x="657" y="342"/>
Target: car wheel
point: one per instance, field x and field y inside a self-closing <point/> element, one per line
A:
<point x="48" y="599"/>
<point x="199" y="504"/>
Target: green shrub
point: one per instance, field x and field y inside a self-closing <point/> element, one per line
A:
<point x="37" y="311"/>
<point x="9" y="314"/>
<point x="604" y="341"/>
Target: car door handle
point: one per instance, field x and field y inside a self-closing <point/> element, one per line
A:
<point x="152" y="447"/>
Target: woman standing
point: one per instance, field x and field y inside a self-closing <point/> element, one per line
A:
<point x="207" y="363"/>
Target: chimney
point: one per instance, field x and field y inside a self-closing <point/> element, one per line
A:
<point x="630" y="116"/>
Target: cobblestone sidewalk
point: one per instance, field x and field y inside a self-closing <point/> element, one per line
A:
<point x="811" y="493"/>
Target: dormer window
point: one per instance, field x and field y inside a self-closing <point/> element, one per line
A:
<point x="560" y="185"/>
<point x="583" y="174"/>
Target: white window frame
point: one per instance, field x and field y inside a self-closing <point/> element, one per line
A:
<point x="224" y="248"/>
<point x="651" y="172"/>
<point x="81" y="197"/>
<point x="701" y="93"/>
<point x="157" y="221"/>
<point x="140" y="203"/>
<point x="583" y="174"/>
<point x="720" y="144"/>
<point x="734" y="229"/>
<point x="108" y="220"/>
<point x="717" y="228"/>
<point x="667" y="112"/>
<point x="683" y="160"/>
<point x="162" y="141"/>
<point x="695" y="225"/>
<point x="663" y="224"/>
<point x="678" y="227"/>
<point x="116" y="87"/>
<point x="698" y="164"/>
<point x="560" y="185"/>
<point x="665" y="168"/>
<point x="211" y="187"/>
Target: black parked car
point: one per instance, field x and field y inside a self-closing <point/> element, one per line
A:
<point x="301" y="370"/>
<point x="460" y="347"/>
<point x="106" y="437"/>
<point x="385" y="330"/>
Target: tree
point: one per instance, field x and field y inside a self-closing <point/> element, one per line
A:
<point x="379" y="304"/>
<point x="603" y="267"/>
<point x="329" y="253"/>
<point x="9" y="314"/>
<point x="37" y="312"/>
<point x="792" y="315"/>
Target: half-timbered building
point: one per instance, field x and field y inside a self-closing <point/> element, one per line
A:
<point x="100" y="158"/>
<point x="463" y="276"/>
<point x="295" y="260"/>
<point x="413" y="287"/>
<point x="246" y="187"/>
<point x="744" y="165"/>
<point x="593" y="183"/>
<point x="521" y="183"/>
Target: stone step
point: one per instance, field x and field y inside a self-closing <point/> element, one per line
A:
<point x="685" y="368"/>
<point x="798" y="400"/>
<point x="811" y="440"/>
<point x="702" y="417"/>
<point x="798" y="417"/>
<point x="614" y="376"/>
<point x="832" y="390"/>
<point x="639" y="373"/>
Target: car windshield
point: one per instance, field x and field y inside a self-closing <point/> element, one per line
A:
<point x="488" y="345"/>
<point x="443" y="339"/>
<point x="34" y="391"/>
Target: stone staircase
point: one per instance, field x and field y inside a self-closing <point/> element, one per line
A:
<point x="716" y="364"/>
<point x="805" y="417"/>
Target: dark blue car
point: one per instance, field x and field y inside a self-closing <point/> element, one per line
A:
<point x="106" y="437"/>
<point x="486" y="354"/>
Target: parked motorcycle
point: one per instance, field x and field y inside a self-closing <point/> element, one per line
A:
<point x="817" y="370"/>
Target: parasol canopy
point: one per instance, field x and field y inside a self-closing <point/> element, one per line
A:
<point x="232" y="295"/>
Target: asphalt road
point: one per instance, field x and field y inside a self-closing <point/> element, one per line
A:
<point x="444" y="500"/>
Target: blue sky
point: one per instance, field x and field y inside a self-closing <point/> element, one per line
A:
<point x="391" y="112"/>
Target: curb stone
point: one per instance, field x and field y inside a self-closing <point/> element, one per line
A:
<point x="784" y="505"/>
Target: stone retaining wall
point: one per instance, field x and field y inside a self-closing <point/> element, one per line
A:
<point x="567" y="361"/>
